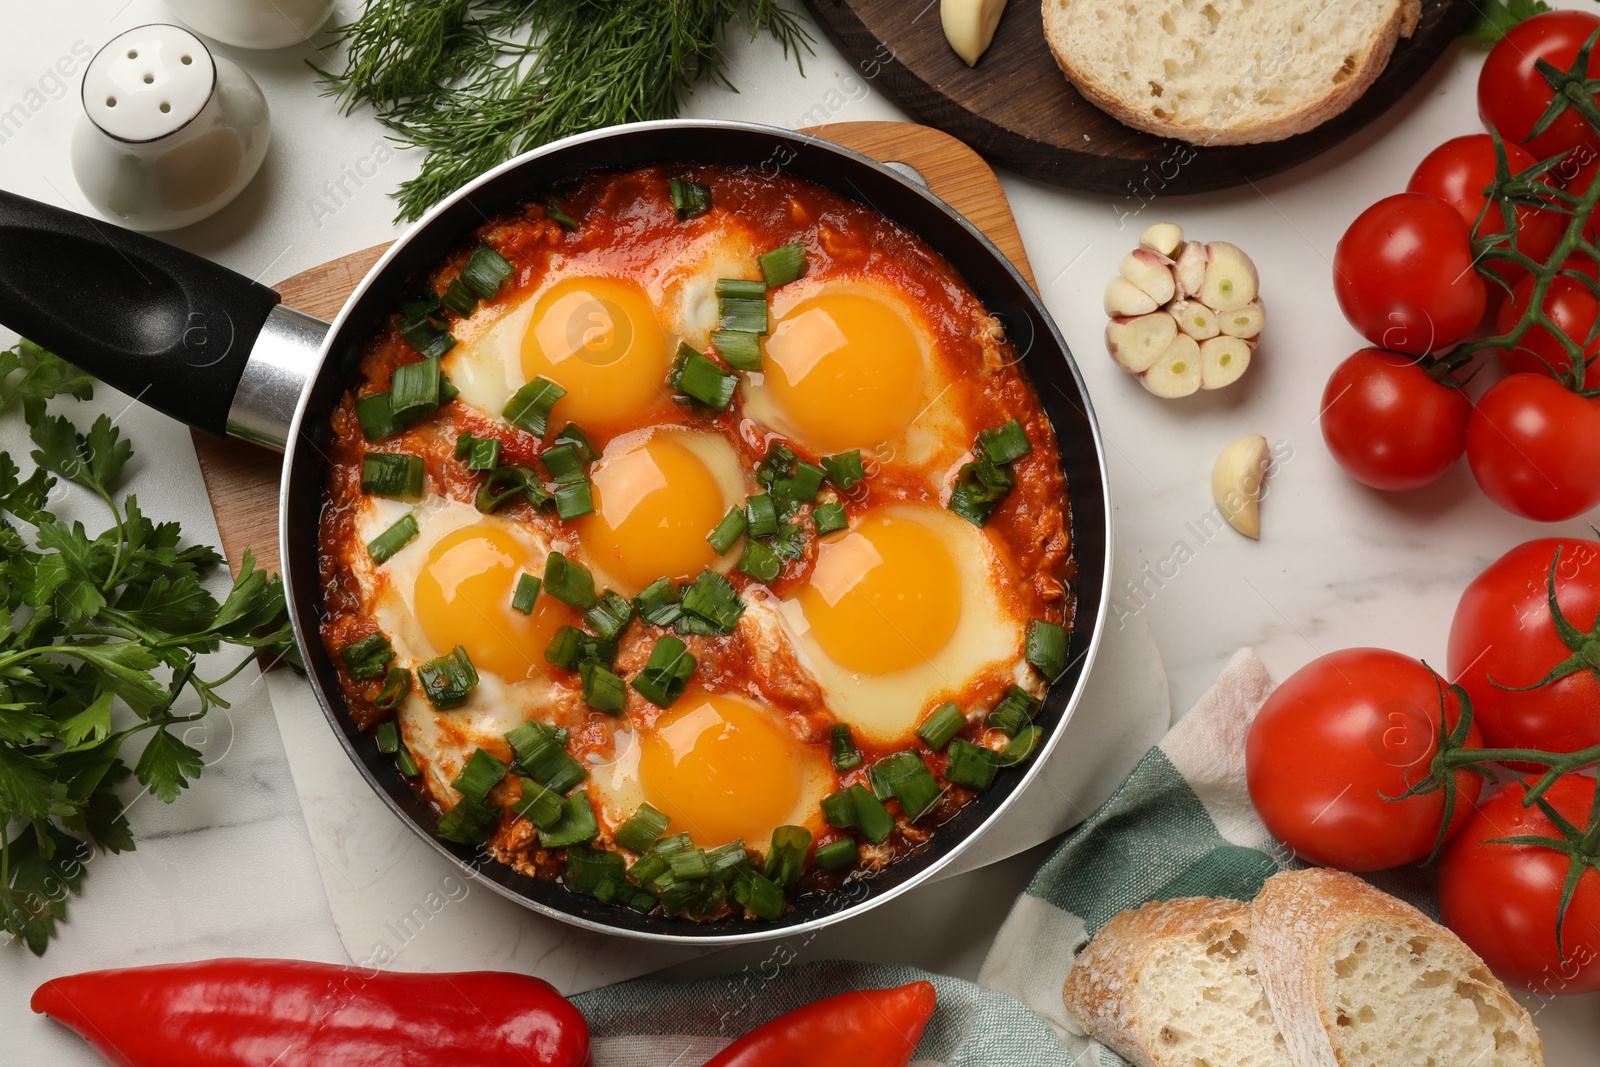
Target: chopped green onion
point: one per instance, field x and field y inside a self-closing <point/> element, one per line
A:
<point x="657" y="603"/>
<point x="478" y="453"/>
<point x="759" y="561"/>
<point x="459" y="299"/>
<point x="790" y="542"/>
<point x="777" y="463"/>
<point x="481" y="773"/>
<point x="693" y="624"/>
<point x="761" y="515"/>
<point x="388" y="738"/>
<point x="526" y="738"/>
<point x="786" y="859"/>
<point x="839" y="809"/>
<point x="392" y="474"/>
<point x="1047" y="648"/>
<point x="617" y="891"/>
<point x="396" y="687"/>
<point x="970" y="765"/>
<point x="844" y="469"/>
<point x="783" y="264"/>
<point x="829" y="517"/>
<point x="972" y="499"/>
<point x="447" y="390"/>
<point x="1020" y="747"/>
<point x="376" y="415"/>
<point x="801" y="486"/>
<point x="383" y="547"/>
<point x="368" y="657"/>
<point x="553" y="208"/>
<point x="997" y="479"/>
<point x="569" y="582"/>
<point x="575" y="826"/>
<point x="574" y="500"/>
<point x="505" y="484"/>
<point x="760" y="894"/>
<point x="945" y="722"/>
<point x="697" y="377"/>
<point x="1005" y="444"/>
<point x="538" y="804"/>
<point x="668" y="846"/>
<point x="640" y="831"/>
<point x="738" y="349"/>
<point x="530" y="407"/>
<point x="712" y="599"/>
<point x="570" y="648"/>
<point x="527" y="592"/>
<point x="415" y="389"/>
<point x="727" y="861"/>
<point x="908" y="777"/>
<point x="846" y="756"/>
<point x="610" y="615"/>
<point x="588" y="867"/>
<point x="742" y="305"/>
<point x="689" y="198"/>
<point x="698" y="896"/>
<point x="666" y="673"/>
<point x="728" y="531"/>
<point x="403" y="760"/>
<point x="1015" y="710"/>
<point x="485" y="271"/>
<point x="572" y="434"/>
<point x="564" y="463"/>
<point x="549" y="763"/>
<point x="427" y="335"/>
<point x="836" y="854"/>
<point x="650" y="866"/>
<point x="689" y="864"/>
<point x="448" y="680"/>
<point x="602" y="690"/>
<point x="470" y="822"/>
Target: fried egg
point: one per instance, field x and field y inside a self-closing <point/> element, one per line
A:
<point x="901" y="611"/>
<point x="721" y="767"/>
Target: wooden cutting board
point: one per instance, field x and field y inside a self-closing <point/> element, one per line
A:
<point x="1018" y="109"/>
<point x="242" y="479"/>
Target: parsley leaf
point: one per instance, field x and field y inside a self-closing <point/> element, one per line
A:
<point x="1493" y="19"/>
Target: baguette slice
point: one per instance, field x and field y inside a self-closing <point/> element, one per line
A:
<point x="1357" y="978"/>
<point x="1173" y="984"/>
<point x="1225" y="71"/>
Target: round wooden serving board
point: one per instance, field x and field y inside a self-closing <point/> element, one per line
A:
<point x="242" y="479"/>
<point x="1019" y="111"/>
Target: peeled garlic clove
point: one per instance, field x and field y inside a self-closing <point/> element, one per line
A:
<point x="1123" y="298"/>
<point x="1152" y="273"/>
<point x="969" y="25"/>
<point x="1138" y="342"/>
<point x="1243" y="322"/>
<point x="1190" y="268"/>
<point x="1164" y="238"/>
<point x="1195" y="319"/>
<point x="1223" y="361"/>
<point x="1177" y="372"/>
<point x="1230" y="280"/>
<point x="1236" y="482"/>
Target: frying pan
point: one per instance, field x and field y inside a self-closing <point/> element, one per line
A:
<point x="220" y="352"/>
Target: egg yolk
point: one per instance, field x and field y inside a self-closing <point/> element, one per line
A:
<point x="846" y="370"/>
<point x="598" y="339"/>
<point x="463" y="597"/>
<point x="884" y="597"/>
<point x="721" y="769"/>
<point x="654" y="504"/>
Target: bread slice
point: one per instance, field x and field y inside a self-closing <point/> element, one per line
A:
<point x="1225" y="71"/>
<point x="1173" y="984"/>
<point x="1357" y="978"/>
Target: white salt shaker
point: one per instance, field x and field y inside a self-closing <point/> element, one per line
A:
<point x="255" y="23"/>
<point x="170" y="133"/>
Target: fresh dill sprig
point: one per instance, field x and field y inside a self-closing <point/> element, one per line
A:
<point x="475" y="82"/>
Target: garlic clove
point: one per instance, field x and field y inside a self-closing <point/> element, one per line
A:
<point x="1177" y="372"/>
<point x="1138" y="342"/>
<point x="1164" y="238"/>
<point x="1245" y="322"/>
<point x="1230" y="280"/>
<point x="1123" y="298"/>
<point x="969" y="25"/>
<point x="1190" y="268"/>
<point x="1223" y="361"/>
<point x="1152" y="273"/>
<point x="1195" y="319"/>
<point x="1236" y="481"/>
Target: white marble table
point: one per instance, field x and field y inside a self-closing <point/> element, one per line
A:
<point x="228" y="870"/>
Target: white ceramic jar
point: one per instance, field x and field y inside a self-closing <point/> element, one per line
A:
<point x="255" y="23"/>
<point x="170" y="133"/>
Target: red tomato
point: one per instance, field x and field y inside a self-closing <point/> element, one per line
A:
<point x="1573" y="307"/>
<point x="1390" y="425"/>
<point x="1504" y="635"/>
<point x="1404" y="276"/>
<point x="1504" y="900"/>
<point x="1512" y="94"/>
<point x="1341" y="731"/>
<point x="1534" y="448"/>
<point x="1459" y="170"/>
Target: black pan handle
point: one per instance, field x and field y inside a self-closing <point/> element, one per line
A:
<point x="163" y="325"/>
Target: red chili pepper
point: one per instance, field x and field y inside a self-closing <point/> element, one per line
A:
<point x="252" y="1013"/>
<point x="862" y="1028"/>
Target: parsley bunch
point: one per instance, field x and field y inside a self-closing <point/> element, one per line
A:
<point x="101" y="644"/>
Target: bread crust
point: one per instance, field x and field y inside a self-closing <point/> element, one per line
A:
<point x="1100" y="988"/>
<point x="1296" y="915"/>
<point x="1402" y="22"/>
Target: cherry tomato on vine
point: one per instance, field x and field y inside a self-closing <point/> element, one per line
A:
<point x="1504" y="638"/>
<point x="1389" y="424"/>
<point x="1534" y="448"/>
<point x="1459" y="170"/>
<point x="1512" y="94"/>
<point x="1504" y="900"/>
<point x="1573" y="306"/>
<point x="1404" y="277"/>
<point x="1341" y="733"/>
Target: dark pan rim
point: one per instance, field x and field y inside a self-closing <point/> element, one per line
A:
<point x="1009" y="296"/>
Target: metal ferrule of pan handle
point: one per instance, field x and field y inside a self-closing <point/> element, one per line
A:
<point x="281" y="364"/>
